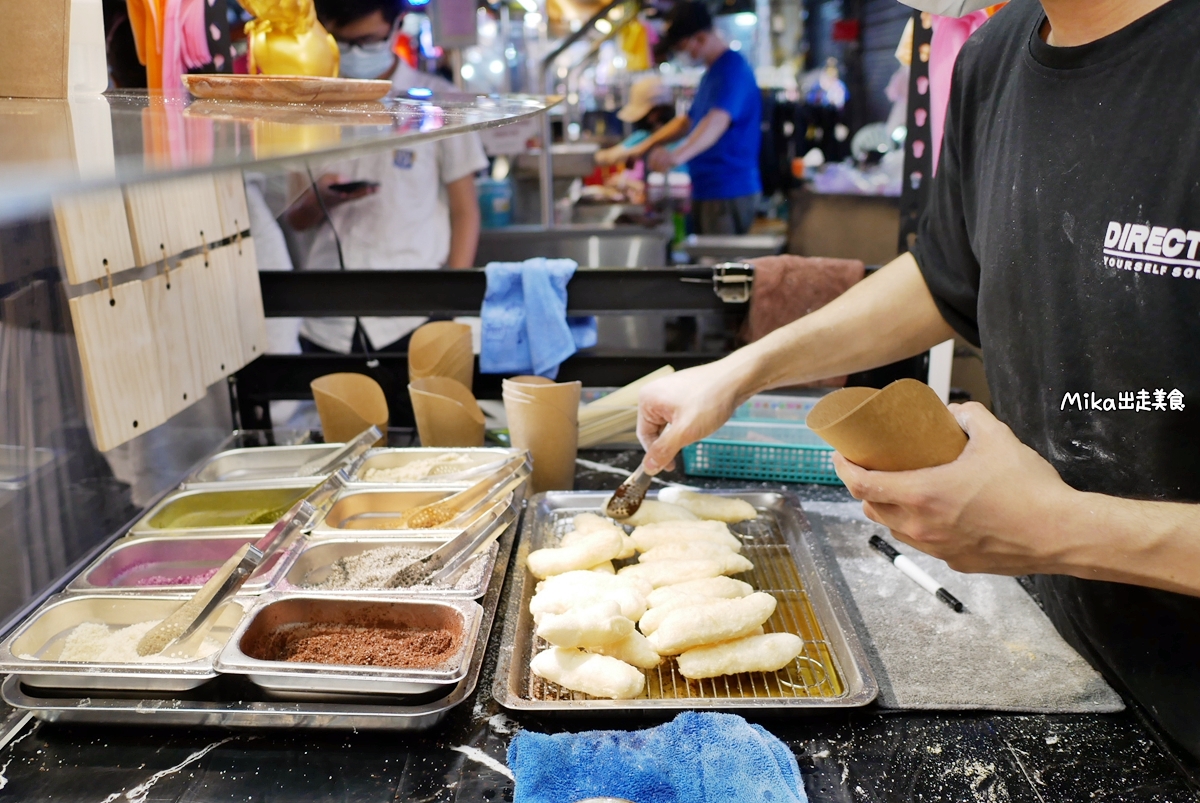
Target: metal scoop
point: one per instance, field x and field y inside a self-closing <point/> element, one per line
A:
<point x="193" y="614"/>
<point x="629" y="495"/>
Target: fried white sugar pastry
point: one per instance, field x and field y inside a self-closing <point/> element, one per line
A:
<point x="586" y="522"/>
<point x="592" y="625"/>
<point x="591" y="523"/>
<point x="668" y="572"/>
<point x="721" y="620"/>
<point x="597" y="675"/>
<point x="583" y="580"/>
<point x="716" y="587"/>
<point x="587" y="588"/>
<point x="603" y="568"/>
<point x="765" y="653"/>
<point x="654" y="617"/>
<point x="684" y="550"/>
<point x="651" y="511"/>
<point x="633" y="649"/>
<point x="587" y="551"/>
<point x="650" y="536"/>
<point x="708" y="506"/>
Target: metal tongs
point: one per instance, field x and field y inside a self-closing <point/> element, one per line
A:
<point x="172" y="633"/>
<point x="353" y="449"/>
<point x="195" y="613"/>
<point x="443" y="561"/>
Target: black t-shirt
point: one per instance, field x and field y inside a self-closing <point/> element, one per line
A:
<point x="1063" y="235"/>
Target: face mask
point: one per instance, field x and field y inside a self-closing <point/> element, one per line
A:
<point x="366" y="61"/>
<point x="949" y="8"/>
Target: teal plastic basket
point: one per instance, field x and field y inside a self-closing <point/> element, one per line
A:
<point x="785" y="451"/>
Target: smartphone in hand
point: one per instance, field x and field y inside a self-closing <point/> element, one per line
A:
<point x="348" y="187"/>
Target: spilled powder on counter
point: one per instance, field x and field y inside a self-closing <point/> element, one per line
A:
<point x="448" y="463"/>
<point x="358" y="645"/>
<point x="92" y="642"/>
<point x="372" y="569"/>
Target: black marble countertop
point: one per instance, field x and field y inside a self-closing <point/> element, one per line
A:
<point x="865" y="755"/>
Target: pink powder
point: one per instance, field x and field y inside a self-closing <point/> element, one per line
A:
<point x="193" y="579"/>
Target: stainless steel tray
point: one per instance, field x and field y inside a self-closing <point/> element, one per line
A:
<point x="396" y="458"/>
<point x="175" y="711"/>
<point x="258" y="464"/>
<point x="316" y="556"/>
<point x="119" y="568"/>
<point x="360" y="510"/>
<point x="318" y="679"/>
<point x="242" y="497"/>
<point x="321" y="532"/>
<point x="44" y="632"/>
<point x="831" y="672"/>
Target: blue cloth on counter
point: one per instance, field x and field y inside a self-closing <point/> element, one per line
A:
<point x="695" y="758"/>
<point x="526" y="329"/>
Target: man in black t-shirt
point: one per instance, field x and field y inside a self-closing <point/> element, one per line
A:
<point x="1063" y="235"/>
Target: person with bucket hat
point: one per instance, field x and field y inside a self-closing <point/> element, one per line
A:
<point x="718" y="139"/>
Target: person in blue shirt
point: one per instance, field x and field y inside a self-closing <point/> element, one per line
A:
<point x="719" y="136"/>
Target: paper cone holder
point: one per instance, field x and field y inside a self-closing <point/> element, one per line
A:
<point x="348" y="403"/>
<point x="442" y="348"/>
<point x="446" y="412"/>
<point x="903" y="427"/>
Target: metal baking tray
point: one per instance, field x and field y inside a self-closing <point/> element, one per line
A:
<point x="314" y="558"/>
<point x="237" y="498"/>
<point x="44" y="633"/>
<point x="396" y="458"/>
<point x="291" y="609"/>
<point x="257" y="464"/>
<point x="178" y="710"/>
<point x="831" y="672"/>
<point x="122" y="565"/>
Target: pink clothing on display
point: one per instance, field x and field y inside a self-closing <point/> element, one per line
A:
<point x="949" y="35"/>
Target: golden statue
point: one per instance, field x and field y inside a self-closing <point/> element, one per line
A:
<point x="285" y="38"/>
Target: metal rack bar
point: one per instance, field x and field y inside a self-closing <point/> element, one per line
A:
<point x="592" y="291"/>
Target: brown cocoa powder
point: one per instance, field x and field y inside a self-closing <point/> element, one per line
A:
<point x="358" y="645"/>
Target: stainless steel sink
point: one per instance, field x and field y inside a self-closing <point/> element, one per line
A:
<point x="604" y="246"/>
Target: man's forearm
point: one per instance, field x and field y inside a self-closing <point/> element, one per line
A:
<point x="1154" y="544"/>
<point x="886" y="317"/>
<point x="304" y="213"/>
<point x="674" y="130"/>
<point x="711" y="128"/>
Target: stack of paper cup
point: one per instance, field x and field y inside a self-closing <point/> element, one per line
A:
<point x="348" y="404"/>
<point x="442" y="348"/>
<point x="543" y="417"/>
<point x="446" y="412"/>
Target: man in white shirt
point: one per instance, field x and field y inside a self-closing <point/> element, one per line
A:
<point x="413" y="207"/>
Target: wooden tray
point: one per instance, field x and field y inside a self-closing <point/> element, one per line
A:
<point x="285" y="88"/>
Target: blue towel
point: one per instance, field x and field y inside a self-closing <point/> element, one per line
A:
<point x="525" y="325"/>
<point x="695" y="758"/>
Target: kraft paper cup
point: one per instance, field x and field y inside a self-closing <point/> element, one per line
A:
<point x="446" y="412"/>
<point x="903" y="427"/>
<point x="545" y="420"/>
<point x="348" y="404"/>
<point x="562" y="396"/>
<point x="442" y="348"/>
